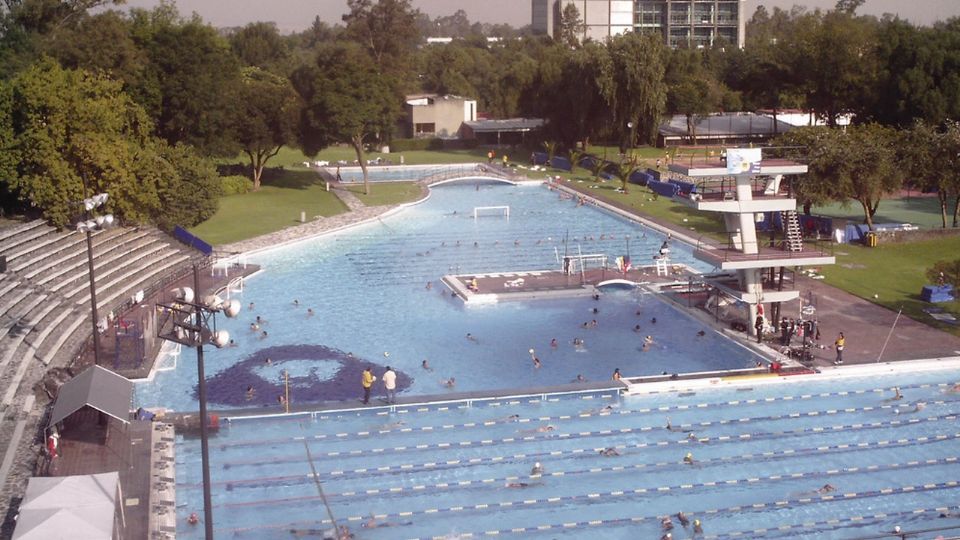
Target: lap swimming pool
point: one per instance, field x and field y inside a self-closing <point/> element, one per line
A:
<point x="367" y="289"/>
<point x="762" y="451"/>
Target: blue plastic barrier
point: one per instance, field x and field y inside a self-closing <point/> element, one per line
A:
<point x="685" y="187"/>
<point x="664" y="188"/>
<point x="935" y="294"/>
<point x="540" y="158"/>
<point x="561" y="163"/>
<point x="640" y="177"/>
<point x="182" y="235"/>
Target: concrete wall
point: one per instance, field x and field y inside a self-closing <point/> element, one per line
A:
<point x="445" y="113"/>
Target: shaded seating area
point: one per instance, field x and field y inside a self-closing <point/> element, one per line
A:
<point x="88" y="407"/>
<point x="84" y="507"/>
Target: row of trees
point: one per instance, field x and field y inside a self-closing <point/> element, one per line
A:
<point x="251" y="90"/>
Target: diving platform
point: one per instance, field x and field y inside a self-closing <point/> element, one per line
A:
<point x="733" y="258"/>
<point x="697" y="168"/>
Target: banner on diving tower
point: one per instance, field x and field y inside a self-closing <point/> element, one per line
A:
<point x="743" y="160"/>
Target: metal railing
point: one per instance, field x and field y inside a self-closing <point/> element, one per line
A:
<point x="766" y="249"/>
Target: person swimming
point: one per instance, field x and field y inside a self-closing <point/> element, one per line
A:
<point x="826" y="488"/>
<point x="609" y="452"/>
<point x="426" y="365"/>
<point x="537" y="469"/>
<point x="684" y="521"/>
<point x="471" y="337"/>
<point x="449" y="383"/>
<point x="688" y="459"/>
<point x="541" y="429"/>
<point x="521" y="485"/>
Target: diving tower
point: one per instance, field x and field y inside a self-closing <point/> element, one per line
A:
<point x="747" y="189"/>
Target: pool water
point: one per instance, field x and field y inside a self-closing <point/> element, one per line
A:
<point x="760" y="453"/>
<point x="395" y="173"/>
<point x="367" y="287"/>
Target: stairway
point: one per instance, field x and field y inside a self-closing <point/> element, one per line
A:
<point x="792" y="230"/>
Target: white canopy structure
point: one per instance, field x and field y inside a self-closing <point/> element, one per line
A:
<point x="70" y="508"/>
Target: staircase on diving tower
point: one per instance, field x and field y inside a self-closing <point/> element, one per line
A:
<point x="791" y="226"/>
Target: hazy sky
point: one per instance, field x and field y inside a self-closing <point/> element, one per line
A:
<point x="291" y="15"/>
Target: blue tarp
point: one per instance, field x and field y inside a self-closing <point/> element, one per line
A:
<point x="640" y="177"/>
<point x="182" y="235"/>
<point x="685" y="187"/>
<point x="934" y="293"/>
<point x="663" y="188"/>
<point x="561" y="163"/>
<point x="539" y="158"/>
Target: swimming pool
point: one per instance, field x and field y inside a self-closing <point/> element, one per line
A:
<point x="761" y="452"/>
<point x="367" y="288"/>
<point x="397" y="173"/>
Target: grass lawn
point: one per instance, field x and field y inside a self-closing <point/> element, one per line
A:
<point x="277" y="205"/>
<point x="921" y="211"/>
<point x="895" y="273"/>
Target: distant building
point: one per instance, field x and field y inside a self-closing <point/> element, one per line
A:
<point x="497" y="132"/>
<point x="681" y="23"/>
<point x="724" y="128"/>
<point x="433" y="115"/>
<point x="803" y="118"/>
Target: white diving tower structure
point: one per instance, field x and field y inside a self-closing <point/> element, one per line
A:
<point x="743" y="188"/>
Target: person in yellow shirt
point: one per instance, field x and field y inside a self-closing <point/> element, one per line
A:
<point x="367" y="382"/>
<point x="839" y="344"/>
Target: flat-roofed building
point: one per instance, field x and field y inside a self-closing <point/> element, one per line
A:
<point x="433" y="115"/>
<point x="682" y="23"/>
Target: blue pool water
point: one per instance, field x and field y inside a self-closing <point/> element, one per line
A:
<point x="367" y="286"/>
<point x="760" y="455"/>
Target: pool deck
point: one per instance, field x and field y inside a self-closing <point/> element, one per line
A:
<point x="538" y="284"/>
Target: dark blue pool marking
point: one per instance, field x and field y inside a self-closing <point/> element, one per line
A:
<point x="229" y="386"/>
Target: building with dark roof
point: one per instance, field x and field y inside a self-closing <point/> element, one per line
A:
<point x="504" y="131"/>
<point x="723" y="128"/>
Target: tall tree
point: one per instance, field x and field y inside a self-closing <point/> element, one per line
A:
<point x="191" y="76"/>
<point x="345" y="100"/>
<point x="927" y="153"/>
<point x="692" y="90"/>
<point x="266" y="117"/>
<point x="259" y="44"/>
<point x="386" y="29"/>
<point x="638" y="94"/>
<point x="577" y="109"/>
<point x="859" y="163"/>
<point x="572" y="28"/>
<point x="101" y="42"/>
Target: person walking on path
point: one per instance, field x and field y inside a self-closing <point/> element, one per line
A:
<point x="367" y="381"/>
<point x="390" y="384"/>
<point x="839" y="344"/>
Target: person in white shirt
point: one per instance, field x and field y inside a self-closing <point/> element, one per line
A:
<point x="390" y="384"/>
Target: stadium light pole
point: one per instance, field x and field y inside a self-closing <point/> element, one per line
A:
<point x="194" y="323"/>
<point x="87" y="227"/>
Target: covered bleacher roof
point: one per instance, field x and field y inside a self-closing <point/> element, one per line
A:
<point x="506" y="124"/>
<point x="739" y="126"/>
<point x="96" y="387"/>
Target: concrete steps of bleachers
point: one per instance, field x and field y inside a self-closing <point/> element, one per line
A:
<point x="78" y="270"/>
<point x="68" y="242"/>
<point x="10" y="232"/>
<point x="102" y="274"/>
<point x="12" y="244"/>
<point x="49" y="240"/>
<point x="77" y="259"/>
<point x="158" y="265"/>
<point x="12" y="299"/>
<point x="14" y="350"/>
<point x="7" y="286"/>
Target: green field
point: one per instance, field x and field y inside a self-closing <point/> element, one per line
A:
<point x="277" y="205"/>
<point x="923" y="212"/>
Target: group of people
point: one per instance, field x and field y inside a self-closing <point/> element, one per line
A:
<point x="389" y="384"/>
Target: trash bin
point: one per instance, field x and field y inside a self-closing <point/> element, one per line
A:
<point x="871" y="239"/>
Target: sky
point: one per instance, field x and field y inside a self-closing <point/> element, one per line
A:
<point x="295" y="15"/>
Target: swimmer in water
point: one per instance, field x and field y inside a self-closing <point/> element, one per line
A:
<point x="537" y="469"/>
<point x="542" y="429"/>
<point x="688" y="459"/>
<point x="425" y="365"/>
<point x="684" y="521"/>
<point x="521" y="485"/>
<point x="449" y="383"/>
<point x="826" y="488"/>
<point x="471" y="337"/>
<point x="609" y="452"/>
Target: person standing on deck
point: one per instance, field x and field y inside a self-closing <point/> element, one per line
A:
<point x="839" y="344"/>
<point x="390" y="384"/>
<point x="367" y="381"/>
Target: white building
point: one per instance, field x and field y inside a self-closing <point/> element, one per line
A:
<point x="693" y="23"/>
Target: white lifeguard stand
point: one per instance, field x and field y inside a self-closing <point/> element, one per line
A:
<point x="663" y="266"/>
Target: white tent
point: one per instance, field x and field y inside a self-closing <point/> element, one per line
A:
<point x="70" y="507"/>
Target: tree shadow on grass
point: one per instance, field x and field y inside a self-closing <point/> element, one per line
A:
<point x="280" y="177"/>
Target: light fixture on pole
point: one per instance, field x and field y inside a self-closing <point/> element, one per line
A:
<point x="192" y="322"/>
<point x="87" y="227"/>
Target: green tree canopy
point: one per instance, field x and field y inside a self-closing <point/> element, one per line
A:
<point x="638" y="95"/>
<point x="266" y="117"/>
<point x="259" y="44"/>
<point x="77" y="134"/>
<point x="572" y="28"/>
<point x="345" y="99"/>
<point x="386" y="29"/>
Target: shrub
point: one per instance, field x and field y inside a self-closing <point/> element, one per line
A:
<point x="235" y="184"/>
<point x="950" y="271"/>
